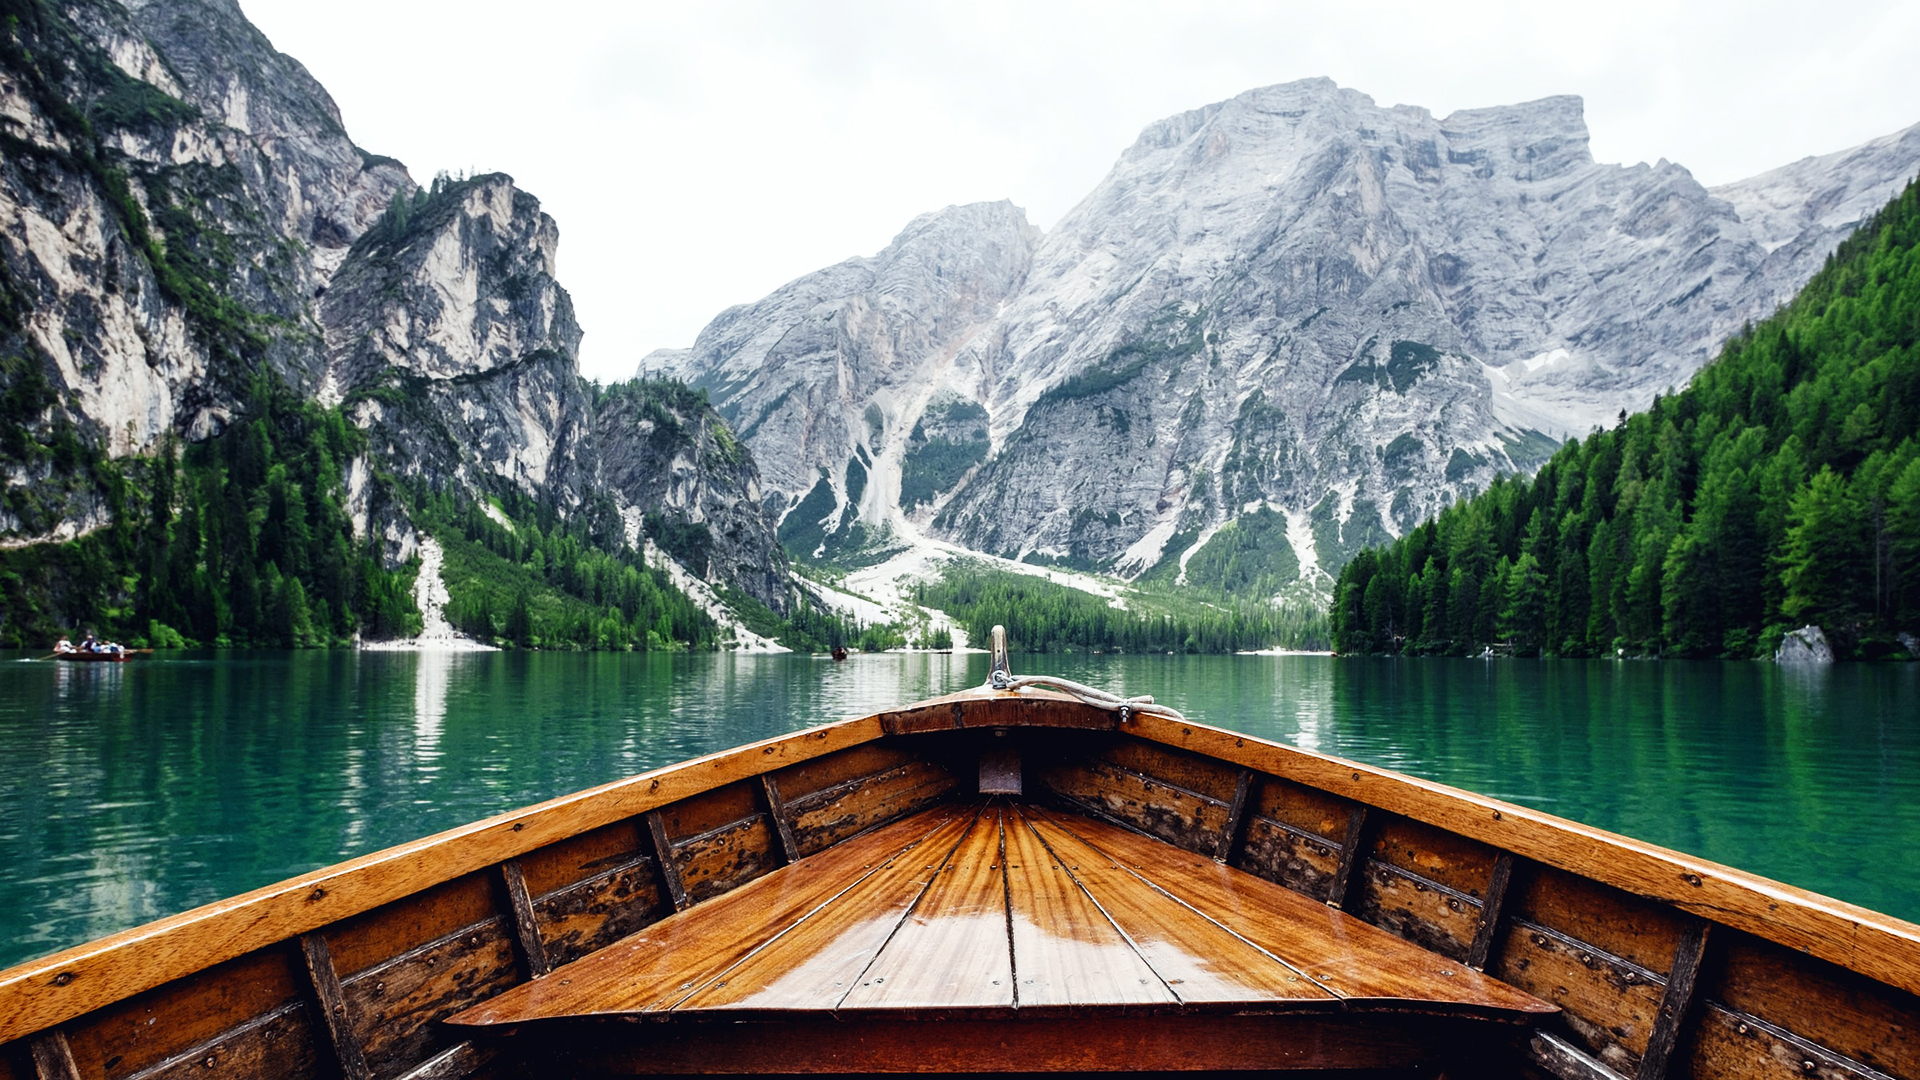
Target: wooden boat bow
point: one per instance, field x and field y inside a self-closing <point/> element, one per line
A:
<point x="1190" y="873"/>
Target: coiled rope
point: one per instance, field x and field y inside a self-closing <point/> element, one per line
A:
<point x="1001" y="677"/>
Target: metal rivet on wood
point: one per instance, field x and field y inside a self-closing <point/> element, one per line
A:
<point x="663" y="859"/>
<point x="526" y="926"/>
<point x="1234" y="829"/>
<point x="1677" y="1002"/>
<point x="324" y="981"/>
<point x="53" y="1057"/>
<point x="777" y="812"/>
<point x="1352" y="852"/>
<point x="1480" y="954"/>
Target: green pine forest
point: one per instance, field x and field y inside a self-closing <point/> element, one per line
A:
<point x="1042" y="617"/>
<point x="241" y="539"/>
<point x="1781" y="488"/>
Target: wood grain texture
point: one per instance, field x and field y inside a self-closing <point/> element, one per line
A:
<point x="665" y="861"/>
<point x="777" y="811"/>
<point x="953" y="950"/>
<point x="397" y="1006"/>
<point x="1281" y="853"/>
<point x="822" y="959"/>
<point x="1609" y="1004"/>
<point x="1676" y="1004"/>
<point x="281" y="1044"/>
<point x="331" y="1004"/>
<point x="1851" y="1015"/>
<point x="1416" y="909"/>
<point x="1066" y="950"/>
<point x="1199" y="960"/>
<point x="1184" y="818"/>
<point x="1733" y="1046"/>
<point x="128" y="1036"/>
<point x="44" y="992"/>
<point x="1566" y="1061"/>
<point x="457" y="1061"/>
<point x="1846" y="934"/>
<point x="600" y="910"/>
<point x="668" y="961"/>
<point x="827" y="817"/>
<point x="1234" y="829"/>
<point x="1339" y="952"/>
<point x="1492" y="910"/>
<point x="526" y="925"/>
<point x="53" y="1058"/>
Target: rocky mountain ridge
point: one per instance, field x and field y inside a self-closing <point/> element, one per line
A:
<point x="1296" y="303"/>
<point x="181" y="209"/>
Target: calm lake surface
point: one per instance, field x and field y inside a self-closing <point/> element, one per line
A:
<point x="133" y="791"/>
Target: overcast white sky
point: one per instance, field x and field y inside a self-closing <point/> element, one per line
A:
<point x="698" y="155"/>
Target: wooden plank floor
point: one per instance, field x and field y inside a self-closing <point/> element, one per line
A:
<point x="998" y="908"/>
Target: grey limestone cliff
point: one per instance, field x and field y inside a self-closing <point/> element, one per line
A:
<point x="181" y="210"/>
<point x="1301" y="303"/>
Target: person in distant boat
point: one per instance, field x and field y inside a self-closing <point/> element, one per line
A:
<point x="63" y="646"/>
<point x="89" y="643"/>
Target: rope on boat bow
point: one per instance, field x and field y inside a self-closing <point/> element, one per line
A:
<point x="1001" y="677"/>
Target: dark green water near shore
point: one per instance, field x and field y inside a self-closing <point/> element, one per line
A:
<point x="129" y="792"/>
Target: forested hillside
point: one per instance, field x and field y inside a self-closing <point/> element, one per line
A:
<point x="241" y="539"/>
<point x="1780" y="488"/>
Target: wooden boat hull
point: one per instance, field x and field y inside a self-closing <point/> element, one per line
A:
<point x="1661" y="964"/>
<point x="94" y="658"/>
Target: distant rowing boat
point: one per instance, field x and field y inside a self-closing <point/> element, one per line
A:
<point x="97" y="657"/>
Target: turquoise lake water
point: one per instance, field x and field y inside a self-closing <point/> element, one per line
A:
<point x="133" y="791"/>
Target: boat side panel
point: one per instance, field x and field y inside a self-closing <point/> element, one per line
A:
<point x="1418" y="909"/>
<point x="600" y="910"/>
<point x="1134" y="783"/>
<point x="1846" y="934"/>
<point x="1645" y="932"/>
<point x="279" y="1045"/>
<point x="797" y="782"/>
<point x="396" y="1007"/>
<point x="1727" y="1045"/>
<point x="725" y="859"/>
<point x="593" y="889"/>
<point x="1294" y="835"/>
<point x="205" y="1011"/>
<point x="833" y="814"/>
<point x="1608" y="1005"/>
<point x="1851" y="1016"/>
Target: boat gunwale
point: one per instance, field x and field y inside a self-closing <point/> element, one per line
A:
<point x="40" y="994"/>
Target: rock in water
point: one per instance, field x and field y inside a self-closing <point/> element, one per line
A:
<point x="1807" y="645"/>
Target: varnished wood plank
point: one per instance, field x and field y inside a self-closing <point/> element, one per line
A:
<point x="44" y="992"/>
<point x="1336" y="950"/>
<point x="954" y="949"/>
<point x="777" y="810"/>
<point x="820" y="960"/>
<point x="1066" y="951"/>
<point x="827" y="817"/>
<point x="526" y="926"/>
<point x="1491" y="907"/>
<point x="1234" y="829"/>
<point x="1676" y="1004"/>
<point x="332" y="1006"/>
<point x="1847" y="934"/>
<point x="1353" y="853"/>
<point x="1196" y="958"/>
<point x="53" y="1058"/>
<point x="1173" y="813"/>
<point x="662" y="964"/>
<point x="664" y="861"/>
<point x="283" y="1044"/>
